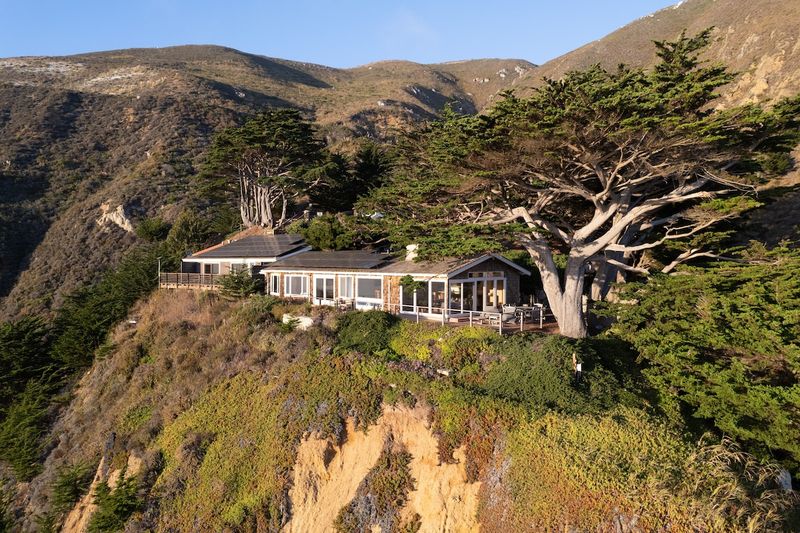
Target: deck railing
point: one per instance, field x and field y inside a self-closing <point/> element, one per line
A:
<point x="503" y="321"/>
<point x="186" y="280"/>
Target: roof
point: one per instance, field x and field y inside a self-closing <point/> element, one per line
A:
<point x="341" y="260"/>
<point x="253" y="246"/>
<point x="367" y="261"/>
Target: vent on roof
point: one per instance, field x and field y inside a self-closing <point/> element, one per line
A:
<point x="411" y="252"/>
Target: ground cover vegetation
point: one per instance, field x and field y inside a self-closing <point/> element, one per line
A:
<point x="228" y="394"/>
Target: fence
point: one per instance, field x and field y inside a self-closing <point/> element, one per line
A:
<point x="183" y="280"/>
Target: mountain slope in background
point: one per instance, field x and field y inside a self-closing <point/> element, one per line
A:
<point x="82" y="135"/>
<point x="759" y="39"/>
<point x="120" y="133"/>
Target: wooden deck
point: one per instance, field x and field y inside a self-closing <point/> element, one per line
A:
<point x="184" y="280"/>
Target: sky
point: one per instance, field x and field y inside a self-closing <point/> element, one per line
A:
<point x="338" y="33"/>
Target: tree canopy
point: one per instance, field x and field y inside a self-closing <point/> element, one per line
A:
<point x="598" y="167"/>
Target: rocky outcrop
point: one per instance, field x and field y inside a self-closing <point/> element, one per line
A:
<point x="116" y="216"/>
<point x="327" y="475"/>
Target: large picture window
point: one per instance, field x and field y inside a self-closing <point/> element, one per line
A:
<point x="369" y="288"/>
<point x="323" y="288"/>
<point x="296" y="286"/>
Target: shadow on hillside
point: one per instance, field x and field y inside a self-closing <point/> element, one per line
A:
<point x="249" y="97"/>
<point x="777" y="220"/>
<point x="437" y="101"/>
<point x="22" y="227"/>
<point x="281" y="71"/>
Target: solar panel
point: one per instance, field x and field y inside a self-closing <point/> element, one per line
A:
<point x="256" y="246"/>
<point x="344" y="259"/>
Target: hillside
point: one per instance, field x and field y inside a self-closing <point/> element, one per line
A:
<point x="123" y="131"/>
<point x="209" y="415"/>
<point x="83" y="135"/>
<point x="757" y="39"/>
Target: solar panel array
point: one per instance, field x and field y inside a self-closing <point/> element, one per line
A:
<point x="355" y="259"/>
<point x="256" y="246"/>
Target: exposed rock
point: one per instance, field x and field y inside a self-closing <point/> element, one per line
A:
<point x="117" y="217"/>
<point x="326" y="476"/>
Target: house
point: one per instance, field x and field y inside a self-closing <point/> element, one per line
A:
<point x="247" y="250"/>
<point x="361" y="279"/>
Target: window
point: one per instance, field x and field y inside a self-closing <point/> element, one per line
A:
<point x="369" y="288"/>
<point x="275" y="284"/>
<point x="456" y="290"/>
<point x="406" y="299"/>
<point x="346" y="287"/>
<point x="437" y="296"/>
<point x="296" y="286"/>
<point x="323" y="288"/>
<point x="211" y="268"/>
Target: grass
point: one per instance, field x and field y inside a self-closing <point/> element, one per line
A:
<point x="224" y="396"/>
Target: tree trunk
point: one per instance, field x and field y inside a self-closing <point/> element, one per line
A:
<point x="570" y="316"/>
<point x="564" y="297"/>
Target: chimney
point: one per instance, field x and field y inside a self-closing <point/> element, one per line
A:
<point x="411" y="252"/>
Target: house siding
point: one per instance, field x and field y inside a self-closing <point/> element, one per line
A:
<point x="512" y="276"/>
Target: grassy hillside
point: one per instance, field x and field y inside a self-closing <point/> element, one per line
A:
<point x="202" y="403"/>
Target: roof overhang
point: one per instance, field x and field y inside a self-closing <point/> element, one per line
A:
<point x="486" y="257"/>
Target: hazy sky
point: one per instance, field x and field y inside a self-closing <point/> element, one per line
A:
<point x="339" y="33"/>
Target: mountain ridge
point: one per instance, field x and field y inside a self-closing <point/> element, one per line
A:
<point x="129" y="127"/>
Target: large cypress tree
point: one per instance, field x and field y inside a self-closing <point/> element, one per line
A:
<point x="590" y="172"/>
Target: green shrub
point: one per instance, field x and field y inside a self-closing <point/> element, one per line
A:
<point x="367" y="332"/>
<point x="240" y="284"/>
<point x="540" y="374"/>
<point x="153" y="229"/>
<point x="721" y="343"/>
<point x="72" y="482"/>
<point x="114" y="507"/>
<point x="257" y="309"/>
<point x="22" y="428"/>
<point x="24" y="355"/>
<point x="590" y="473"/>
<point x="135" y="417"/>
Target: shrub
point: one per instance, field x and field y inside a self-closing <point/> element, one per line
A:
<point x="24" y="355"/>
<point x="153" y="229"/>
<point x="240" y="284"/>
<point x="257" y="309"/>
<point x="722" y="341"/>
<point x="540" y="374"/>
<point x="135" y="417"/>
<point x="588" y="473"/>
<point x="452" y="347"/>
<point x="72" y="482"/>
<point x="367" y="332"/>
<point x="114" y="507"/>
<point x="22" y="428"/>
